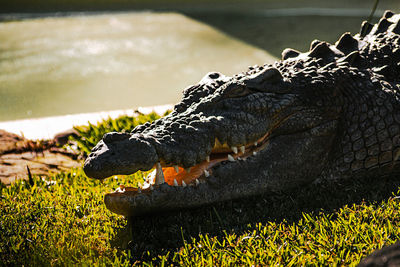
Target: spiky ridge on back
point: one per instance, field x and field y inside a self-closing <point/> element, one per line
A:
<point x="376" y="47"/>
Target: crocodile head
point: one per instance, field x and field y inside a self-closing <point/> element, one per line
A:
<point x="229" y="137"/>
<point x="270" y="128"/>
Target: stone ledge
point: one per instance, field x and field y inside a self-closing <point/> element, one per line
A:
<point x="48" y="127"/>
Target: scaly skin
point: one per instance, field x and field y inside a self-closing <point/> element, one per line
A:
<point x="332" y="112"/>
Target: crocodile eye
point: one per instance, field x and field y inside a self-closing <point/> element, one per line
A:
<point x="270" y="80"/>
<point x="236" y="90"/>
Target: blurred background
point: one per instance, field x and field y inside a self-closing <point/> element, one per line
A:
<point x="76" y="56"/>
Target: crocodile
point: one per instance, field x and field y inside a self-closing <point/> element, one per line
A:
<point x="332" y="112"/>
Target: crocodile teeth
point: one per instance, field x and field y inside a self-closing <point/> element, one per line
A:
<point x="159" y="174"/>
<point x="230" y="158"/>
<point x="187" y="170"/>
<point x="206" y="173"/>
<point x="208" y="158"/>
<point x="234" y="149"/>
<point x="255" y="143"/>
<point x="197" y="182"/>
<point x="242" y="149"/>
<point x="175" y="183"/>
<point x="183" y="183"/>
<point x="176" y="168"/>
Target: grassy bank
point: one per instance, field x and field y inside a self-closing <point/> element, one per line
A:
<point x="62" y="220"/>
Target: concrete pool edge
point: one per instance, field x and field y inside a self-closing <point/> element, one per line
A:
<point x="48" y="127"/>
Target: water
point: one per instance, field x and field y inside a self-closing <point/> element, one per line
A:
<point x="64" y="65"/>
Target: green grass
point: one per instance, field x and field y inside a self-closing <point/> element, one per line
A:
<point x="59" y="221"/>
<point x="62" y="220"/>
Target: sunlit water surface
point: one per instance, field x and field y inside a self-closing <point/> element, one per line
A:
<point x="63" y="65"/>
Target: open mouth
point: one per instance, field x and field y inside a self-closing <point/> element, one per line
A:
<point x="177" y="176"/>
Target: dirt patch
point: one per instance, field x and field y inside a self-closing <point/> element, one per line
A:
<point x="41" y="157"/>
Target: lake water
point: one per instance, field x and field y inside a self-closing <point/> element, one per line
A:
<point x="86" y="63"/>
<point x="54" y="66"/>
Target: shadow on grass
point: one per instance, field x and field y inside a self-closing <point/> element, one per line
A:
<point x="160" y="233"/>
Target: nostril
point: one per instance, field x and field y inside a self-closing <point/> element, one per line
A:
<point x="115" y="136"/>
<point x="213" y="75"/>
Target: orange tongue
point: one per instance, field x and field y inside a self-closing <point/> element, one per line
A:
<point x="195" y="172"/>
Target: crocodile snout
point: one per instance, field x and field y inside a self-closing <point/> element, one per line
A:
<point x="119" y="153"/>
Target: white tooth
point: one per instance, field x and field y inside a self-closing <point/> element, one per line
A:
<point x="234" y="149"/>
<point x="175" y="183"/>
<point x="183" y="183"/>
<point x="159" y="174"/>
<point x="120" y="190"/>
<point x="206" y="173"/>
<point x="230" y="158"/>
<point x="254" y="153"/>
<point x="151" y="187"/>
<point x="187" y="170"/>
<point x="197" y="182"/>
<point x="139" y="190"/>
<point x="151" y="177"/>
<point x="242" y="149"/>
<point x="255" y="143"/>
<point x="176" y="168"/>
<point x="208" y="158"/>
